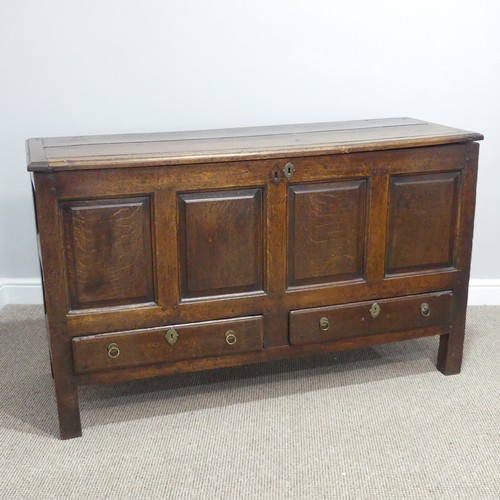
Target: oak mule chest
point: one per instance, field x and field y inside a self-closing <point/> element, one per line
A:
<point x="174" y="252"/>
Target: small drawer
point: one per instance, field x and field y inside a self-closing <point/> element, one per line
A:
<point x="325" y="324"/>
<point x="161" y="345"/>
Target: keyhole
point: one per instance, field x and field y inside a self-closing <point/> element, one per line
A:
<point x="276" y="175"/>
<point x="289" y="170"/>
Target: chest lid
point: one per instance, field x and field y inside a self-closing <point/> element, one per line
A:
<point x="208" y="146"/>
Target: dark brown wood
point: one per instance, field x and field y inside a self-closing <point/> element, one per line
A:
<point x="326" y="231"/>
<point x="55" y="298"/>
<point x="356" y="320"/>
<point x="108" y="252"/>
<point x="143" y="347"/>
<point x="99" y="321"/>
<point x="202" y="232"/>
<point x="235" y="144"/>
<point x="422" y="222"/>
<point x="221" y="243"/>
<point x="265" y="355"/>
<point x="451" y="346"/>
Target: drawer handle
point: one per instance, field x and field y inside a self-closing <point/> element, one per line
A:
<point x="324" y="323"/>
<point x="375" y="310"/>
<point x="113" y="351"/>
<point x="171" y="336"/>
<point x="231" y="337"/>
<point x="425" y="309"/>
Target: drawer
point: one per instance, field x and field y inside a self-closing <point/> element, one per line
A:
<point x="325" y="324"/>
<point x="160" y="345"/>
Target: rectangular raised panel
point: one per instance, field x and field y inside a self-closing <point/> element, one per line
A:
<point x="143" y="347"/>
<point x="108" y="252"/>
<point x="423" y="211"/>
<point x="326" y="232"/>
<point x="221" y="242"/>
<point x="355" y="320"/>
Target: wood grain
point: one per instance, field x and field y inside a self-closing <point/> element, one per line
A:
<point x="238" y="144"/>
<point x="108" y="252"/>
<point x="221" y="242"/>
<point x="355" y="320"/>
<point x="326" y="232"/>
<point x="451" y="346"/>
<point x="202" y="231"/>
<point x="422" y="222"/>
<point x="265" y="355"/>
<point x="143" y="347"/>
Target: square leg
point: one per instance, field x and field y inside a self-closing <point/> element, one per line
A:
<point x="450" y="352"/>
<point x="66" y="389"/>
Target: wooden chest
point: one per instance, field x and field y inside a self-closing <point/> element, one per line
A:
<point x="166" y="253"/>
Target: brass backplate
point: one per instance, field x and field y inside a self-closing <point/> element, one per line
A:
<point x="171" y="336"/>
<point x="324" y="323"/>
<point x="425" y="309"/>
<point x="375" y="310"/>
<point x="231" y="337"/>
<point x="289" y="170"/>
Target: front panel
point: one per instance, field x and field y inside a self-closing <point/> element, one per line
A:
<point x="422" y="220"/>
<point x="221" y="242"/>
<point x="108" y="253"/>
<point x="214" y="241"/>
<point x="326" y="232"/>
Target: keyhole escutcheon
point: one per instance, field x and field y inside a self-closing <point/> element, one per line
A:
<point x="289" y="170"/>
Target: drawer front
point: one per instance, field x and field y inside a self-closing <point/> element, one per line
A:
<point x="160" y="345"/>
<point x="325" y="324"/>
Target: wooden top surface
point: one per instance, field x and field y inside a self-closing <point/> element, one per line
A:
<point x="207" y="146"/>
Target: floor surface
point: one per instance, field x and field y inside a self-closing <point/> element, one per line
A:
<point x="376" y="423"/>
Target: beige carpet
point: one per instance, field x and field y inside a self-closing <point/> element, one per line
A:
<point x="378" y="423"/>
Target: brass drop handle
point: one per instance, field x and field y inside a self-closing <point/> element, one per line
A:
<point x="171" y="336"/>
<point x="324" y="323"/>
<point x="425" y="309"/>
<point x="231" y="337"/>
<point x="113" y="351"/>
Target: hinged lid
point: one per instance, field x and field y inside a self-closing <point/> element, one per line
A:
<point x="173" y="148"/>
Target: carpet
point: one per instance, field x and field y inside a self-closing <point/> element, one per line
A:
<point x="375" y="423"/>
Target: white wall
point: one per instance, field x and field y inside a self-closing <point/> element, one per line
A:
<point x="106" y="66"/>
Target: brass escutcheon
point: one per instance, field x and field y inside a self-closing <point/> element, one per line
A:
<point x="171" y="336"/>
<point x="113" y="351"/>
<point x="289" y="170"/>
<point x="324" y="323"/>
<point x="231" y="337"/>
<point x="375" y="310"/>
<point x="425" y="309"/>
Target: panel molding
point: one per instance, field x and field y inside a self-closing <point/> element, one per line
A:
<point x="99" y="275"/>
<point x="319" y="242"/>
<point x="408" y="238"/>
<point x="221" y="242"/>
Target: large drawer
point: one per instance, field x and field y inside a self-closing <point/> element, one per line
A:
<point x="157" y="345"/>
<point x="325" y="324"/>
